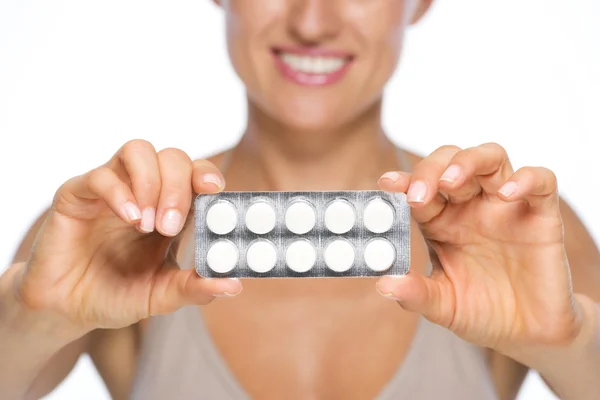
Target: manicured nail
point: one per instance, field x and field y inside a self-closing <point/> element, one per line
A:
<point x="508" y="189"/>
<point x="392" y="176"/>
<point x="132" y="211"/>
<point x="148" y="216"/>
<point x="451" y="174"/>
<point x="228" y="287"/>
<point x="386" y="286"/>
<point x="417" y="192"/>
<point x="172" y="222"/>
<point x="390" y="296"/>
<point x="213" y="179"/>
<point x="226" y="294"/>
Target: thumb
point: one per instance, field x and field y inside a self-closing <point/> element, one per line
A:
<point x="431" y="297"/>
<point x="174" y="288"/>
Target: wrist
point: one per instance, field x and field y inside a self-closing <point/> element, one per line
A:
<point x="552" y="361"/>
<point x="19" y="319"/>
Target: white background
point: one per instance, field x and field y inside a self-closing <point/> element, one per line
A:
<point x="79" y="78"/>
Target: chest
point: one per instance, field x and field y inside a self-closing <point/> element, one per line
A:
<point x="311" y="338"/>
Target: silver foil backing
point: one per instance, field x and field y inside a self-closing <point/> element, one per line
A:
<point x="320" y="236"/>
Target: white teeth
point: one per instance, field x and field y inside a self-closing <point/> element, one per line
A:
<point x="313" y="65"/>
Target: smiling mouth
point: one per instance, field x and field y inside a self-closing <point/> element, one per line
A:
<point x="312" y="67"/>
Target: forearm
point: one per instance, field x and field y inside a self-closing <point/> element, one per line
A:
<point x="573" y="372"/>
<point x="28" y="339"/>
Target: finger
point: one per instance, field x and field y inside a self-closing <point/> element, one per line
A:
<point x="488" y="165"/>
<point x="395" y="181"/>
<point x="432" y="298"/>
<point x="138" y="158"/>
<point x="536" y="185"/>
<point x="426" y="174"/>
<point x="206" y="177"/>
<point x="174" y="288"/>
<point x="176" y="191"/>
<point x="459" y="187"/>
<point x="423" y="193"/>
<point x="398" y="181"/>
<point x="84" y="196"/>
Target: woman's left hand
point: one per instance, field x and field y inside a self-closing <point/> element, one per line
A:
<point x="500" y="273"/>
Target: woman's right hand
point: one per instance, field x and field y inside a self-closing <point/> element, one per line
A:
<point x="105" y="255"/>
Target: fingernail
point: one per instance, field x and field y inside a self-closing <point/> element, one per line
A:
<point x="390" y="296"/>
<point x="172" y="222"/>
<point x="386" y="287"/>
<point x="508" y="189"/>
<point x="213" y="179"/>
<point x="226" y="294"/>
<point x="132" y="211"/>
<point x="417" y="192"/>
<point x="392" y="176"/>
<point x="451" y="174"/>
<point x="228" y="287"/>
<point x="148" y="216"/>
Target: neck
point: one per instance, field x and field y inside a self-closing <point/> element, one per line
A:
<point x="272" y="156"/>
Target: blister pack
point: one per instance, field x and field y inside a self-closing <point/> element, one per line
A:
<point x="302" y="234"/>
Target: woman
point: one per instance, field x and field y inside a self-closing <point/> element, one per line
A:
<point x="111" y="272"/>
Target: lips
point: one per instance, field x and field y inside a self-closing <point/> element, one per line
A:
<point x="312" y="67"/>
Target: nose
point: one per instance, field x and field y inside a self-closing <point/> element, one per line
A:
<point x="314" y="21"/>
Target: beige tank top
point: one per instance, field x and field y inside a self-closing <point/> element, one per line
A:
<point x="180" y="361"/>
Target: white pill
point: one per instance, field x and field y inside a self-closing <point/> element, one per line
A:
<point x="339" y="255"/>
<point x="222" y="256"/>
<point x="221" y="217"/>
<point x="261" y="256"/>
<point x="301" y="256"/>
<point x="378" y="216"/>
<point x="260" y="217"/>
<point x="340" y="217"/>
<point x="300" y="217"/>
<point x="379" y="255"/>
